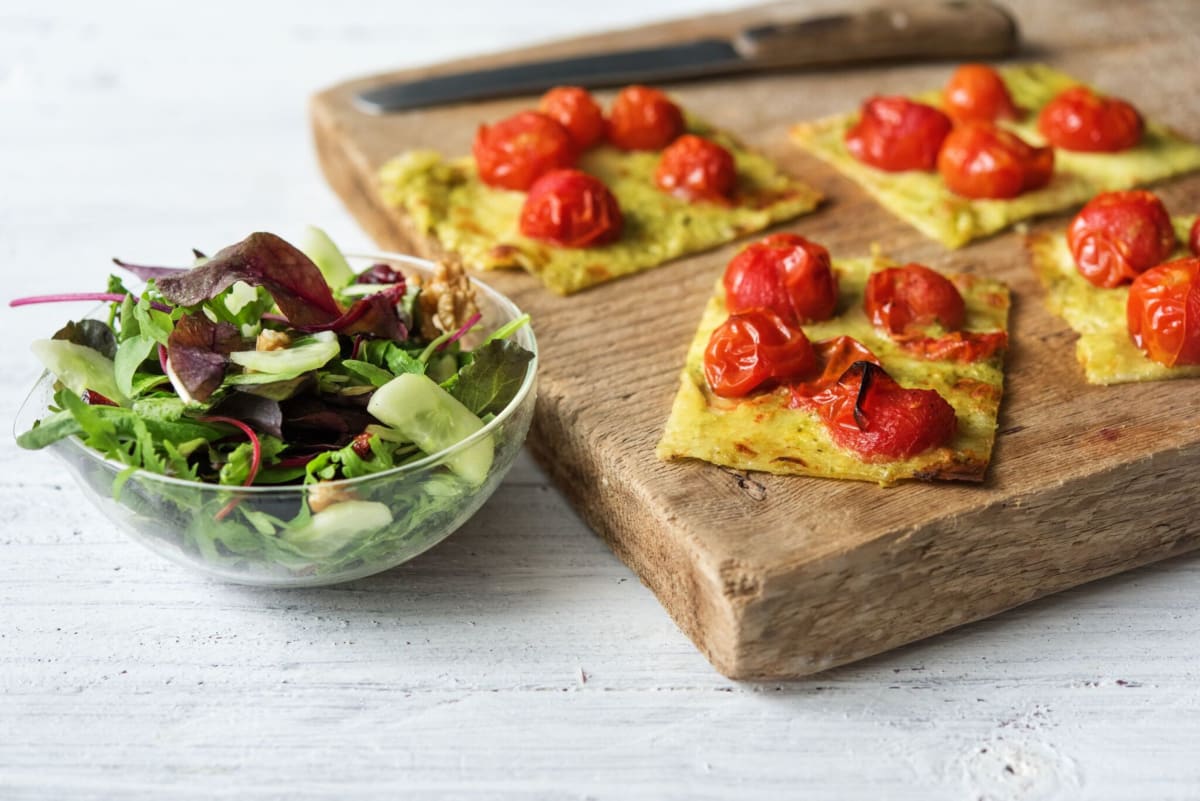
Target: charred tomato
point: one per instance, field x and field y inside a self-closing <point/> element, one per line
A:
<point x="868" y="412"/>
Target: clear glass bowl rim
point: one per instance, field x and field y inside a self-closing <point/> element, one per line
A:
<point x="501" y="301"/>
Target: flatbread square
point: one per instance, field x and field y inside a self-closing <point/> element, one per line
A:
<point x="1097" y="314"/>
<point x="447" y="201"/>
<point x="765" y="433"/>
<point x="924" y="201"/>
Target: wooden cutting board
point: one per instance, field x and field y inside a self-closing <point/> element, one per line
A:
<point x="779" y="577"/>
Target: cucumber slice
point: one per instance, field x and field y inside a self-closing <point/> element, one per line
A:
<point x="79" y="367"/>
<point x="336" y="526"/>
<point x="306" y="353"/>
<point x="433" y="419"/>
<point x="317" y="245"/>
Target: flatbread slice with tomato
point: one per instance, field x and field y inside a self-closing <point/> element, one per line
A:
<point x="1097" y="314"/>
<point x="924" y="201"/>
<point x="768" y="432"/>
<point x="447" y="201"/>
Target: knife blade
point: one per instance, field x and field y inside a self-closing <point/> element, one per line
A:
<point x="954" y="29"/>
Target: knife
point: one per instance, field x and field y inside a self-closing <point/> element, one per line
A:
<point x="955" y="29"/>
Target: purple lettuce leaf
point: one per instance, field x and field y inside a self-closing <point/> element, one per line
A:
<point x="310" y="422"/>
<point x="146" y="272"/>
<point x="262" y="414"/>
<point x="375" y="315"/>
<point x="265" y="260"/>
<point x="198" y="351"/>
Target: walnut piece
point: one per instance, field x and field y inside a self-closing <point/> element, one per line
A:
<point x="447" y="300"/>
<point x="323" y="495"/>
<point x="272" y="340"/>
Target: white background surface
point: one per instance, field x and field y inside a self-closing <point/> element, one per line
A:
<point x="518" y="659"/>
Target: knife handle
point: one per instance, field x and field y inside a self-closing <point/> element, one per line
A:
<point x="955" y="29"/>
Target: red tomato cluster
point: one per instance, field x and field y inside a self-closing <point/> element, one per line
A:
<point x="535" y="151"/>
<point x="774" y="286"/>
<point x="1126" y="238"/>
<point x="975" y="157"/>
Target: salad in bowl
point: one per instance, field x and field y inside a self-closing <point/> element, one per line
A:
<point x="273" y="415"/>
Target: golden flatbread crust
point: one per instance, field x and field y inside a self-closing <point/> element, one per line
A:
<point x="923" y="200"/>
<point x="764" y="433"/>
<point x="1104" y="349"/>
<point x="445" y="199"/>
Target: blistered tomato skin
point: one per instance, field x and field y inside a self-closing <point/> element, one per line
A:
<point x="643" y="118"/>
<point x="896" y="134"/>
<point x="695" y="168"/>
<point x="1163" y="312"/>
<point x="752" y="350"/>
<point x="1078" y="119"/>
<point x="571" y="209"/>
<point x="869" y="413"/>
<point x="577" y="111"/>
<point x="785" y="273"/>
<point x="977" y="93"/>
<point x="1117" y="235"/>
<point x="979" y="160"/>
<point x="905" y="300"/>
<point x="515" y="152"/>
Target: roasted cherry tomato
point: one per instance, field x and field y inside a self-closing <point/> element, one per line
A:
<point x="868" y="412"/>
<point x="905" y="300"/>
<point x="577" y="111"/>
<point x="516" y="151"/>
<point x="959" y="346"/>
<point x="643" y="119"/>
<point x="571" y="209"/>
<point x="696" y="168"/>
<point x="895" y="133"/>
<point x="1120" y="234"/>
<point x="1194" y="238"/>
<point x="1163" y="312"/>
<point x="785" y="273"/>
<point x="755" y="349"/>
<point x="979" y="160"/>
<point x="1079" y="119"/>
<point x="976" y="92"/>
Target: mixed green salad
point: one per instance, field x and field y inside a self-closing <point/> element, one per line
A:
<point x="274" y="365"/>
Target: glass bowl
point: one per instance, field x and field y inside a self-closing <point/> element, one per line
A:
<point x="382" y="519"/>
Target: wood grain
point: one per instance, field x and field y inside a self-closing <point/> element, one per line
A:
<point x="776" y="577"/>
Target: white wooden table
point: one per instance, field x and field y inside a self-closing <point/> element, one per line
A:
<point x="519" y="658"/>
